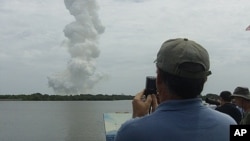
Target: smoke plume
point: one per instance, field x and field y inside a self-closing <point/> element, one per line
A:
<point x="82" y="35"/>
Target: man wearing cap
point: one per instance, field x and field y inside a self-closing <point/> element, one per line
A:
<point x="182" y="69"/>
<point x="241" y="98"/>
<point x="227" y="107"/>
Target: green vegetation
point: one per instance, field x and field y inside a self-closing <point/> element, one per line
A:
<point x="46" y="97"/>
<point x="83" y="97"/>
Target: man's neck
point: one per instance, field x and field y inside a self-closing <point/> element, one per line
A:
<point x="247" y="109"/>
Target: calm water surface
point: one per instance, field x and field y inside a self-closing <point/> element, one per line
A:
<point x="56" y="120"/>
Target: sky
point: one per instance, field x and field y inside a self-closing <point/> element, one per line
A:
<point x="41" y="52"/>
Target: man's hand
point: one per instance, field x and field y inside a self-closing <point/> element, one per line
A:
<point x="142" y="106"/>
<point x="154" y="103"/>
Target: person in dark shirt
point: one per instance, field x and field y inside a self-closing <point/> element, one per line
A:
<point x="227" y="107"/>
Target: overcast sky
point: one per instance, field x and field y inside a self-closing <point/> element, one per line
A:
<point x="32" y="42"/>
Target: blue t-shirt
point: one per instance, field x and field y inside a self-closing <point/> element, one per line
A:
<point x="178" y="120"/>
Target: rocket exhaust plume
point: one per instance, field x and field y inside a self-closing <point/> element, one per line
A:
<point x="82" y="39"/>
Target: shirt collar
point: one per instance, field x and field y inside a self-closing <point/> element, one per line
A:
<point x="173" y="105"/>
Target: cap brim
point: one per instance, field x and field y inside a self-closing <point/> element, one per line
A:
<point x="236" y="95"/>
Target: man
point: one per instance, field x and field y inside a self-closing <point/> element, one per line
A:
<point x="227" y="107"/>
<point x="241" y="97"/>
<point x="182" y="69"/>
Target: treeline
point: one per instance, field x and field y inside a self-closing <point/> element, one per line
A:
<point x="46" y="97"/>
<point x="86" y="97"/>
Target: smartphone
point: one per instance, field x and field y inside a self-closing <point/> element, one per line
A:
<point x="150" y="85"/>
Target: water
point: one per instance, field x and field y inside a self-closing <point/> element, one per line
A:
<point x="56" y="120"/>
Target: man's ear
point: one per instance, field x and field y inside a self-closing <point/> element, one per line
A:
<point x="158" y="77"/>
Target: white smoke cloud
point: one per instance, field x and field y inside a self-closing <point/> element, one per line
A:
<point x="82" y="35"/>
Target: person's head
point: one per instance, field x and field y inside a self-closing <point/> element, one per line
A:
<point x="241" y="96"/>
<point x="182" y="69"/>
<point x="225" y="96"/>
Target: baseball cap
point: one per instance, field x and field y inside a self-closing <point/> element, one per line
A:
<point x="175" y="52"/>
<point x="241" y="92"/>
